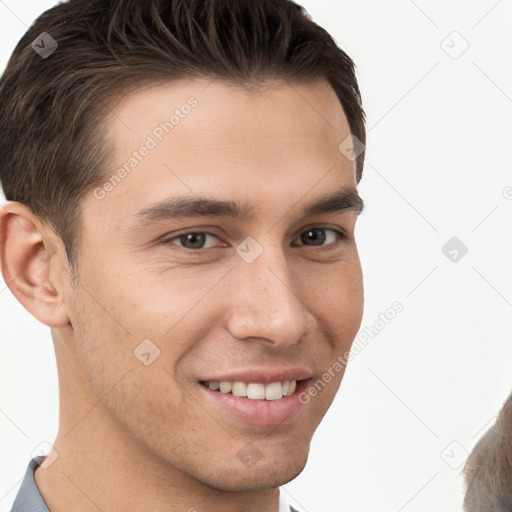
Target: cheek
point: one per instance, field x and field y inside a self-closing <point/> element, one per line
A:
<point x="351" y="304"/>
<point x="118" y="322"/>
<point x="103" y="347"/>
<point x="146" y="399"/>
<point x="336" y="298"/>
<point x="161" y="304"/>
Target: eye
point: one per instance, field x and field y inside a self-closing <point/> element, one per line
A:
<point x="192" y="240"/>
<point x="319" y="235"/>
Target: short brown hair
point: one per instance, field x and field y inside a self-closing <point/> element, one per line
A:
<point x="52" y="147"/>
<point x="488" y="470"/>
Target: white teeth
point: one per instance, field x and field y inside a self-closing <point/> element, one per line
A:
<point x="274" y="391"/>
<point x="225" y="387"/>
<point x="254" y="390"/>
<point x="239" y="389"/>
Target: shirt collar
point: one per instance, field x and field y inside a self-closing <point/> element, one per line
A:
<point x="29" y="498"/>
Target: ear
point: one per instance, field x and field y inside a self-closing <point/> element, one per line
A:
<point x="29" y="255"/>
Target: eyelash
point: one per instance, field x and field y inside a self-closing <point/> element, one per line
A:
<point x="341" y="235"/>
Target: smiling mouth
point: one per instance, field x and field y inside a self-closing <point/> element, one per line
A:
<point x="254" y="390"/>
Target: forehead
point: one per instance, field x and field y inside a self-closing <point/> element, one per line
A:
<point x="301" y="107"/>
<point x="198" y="136"/>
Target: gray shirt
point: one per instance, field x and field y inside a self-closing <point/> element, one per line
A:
<point x="29" y="498"/>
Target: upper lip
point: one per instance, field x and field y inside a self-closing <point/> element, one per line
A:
<point x="262" y="375"/>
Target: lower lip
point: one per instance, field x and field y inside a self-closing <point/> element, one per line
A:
<point x="258" y="412"/>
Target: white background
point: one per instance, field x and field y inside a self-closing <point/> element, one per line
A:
<point x="415" y="400"/>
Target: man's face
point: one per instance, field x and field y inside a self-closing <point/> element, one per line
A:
<point x="268" y="297"/>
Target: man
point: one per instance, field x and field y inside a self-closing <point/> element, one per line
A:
<point x="181" y="182"/>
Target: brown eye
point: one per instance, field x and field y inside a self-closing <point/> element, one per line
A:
<point x="318" y="236"/>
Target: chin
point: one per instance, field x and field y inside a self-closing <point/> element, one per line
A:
<point x="264" y="474"/>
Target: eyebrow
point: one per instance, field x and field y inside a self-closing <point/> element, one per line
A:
<point x="193" y="206"/>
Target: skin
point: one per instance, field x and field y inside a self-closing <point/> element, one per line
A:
<point x="135" y="437"/>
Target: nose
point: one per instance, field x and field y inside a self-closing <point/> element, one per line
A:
<point x="268" y="304"/>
